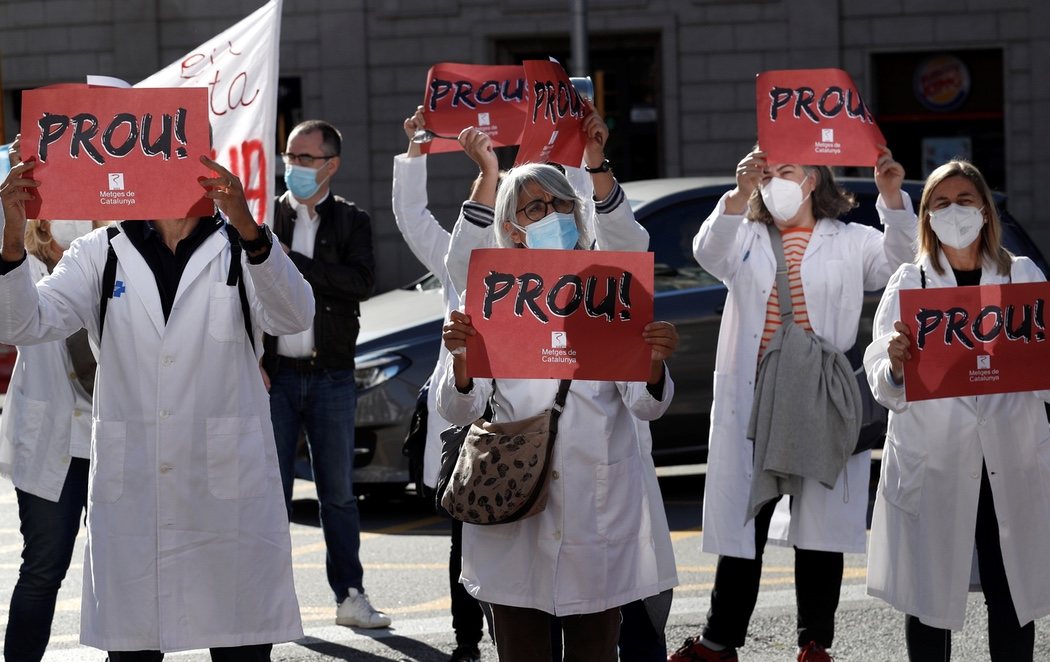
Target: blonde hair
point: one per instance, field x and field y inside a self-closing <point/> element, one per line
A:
<point x="41" y="245"/>
<point x="991" y="236"/>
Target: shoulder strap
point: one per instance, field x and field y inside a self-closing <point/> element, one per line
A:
<point x="236" y="277"/>
<point x="109" y="277"/>
<point x="922" y="276"/>
<point x="777" y="242"/>
<point x="563" y="392"/>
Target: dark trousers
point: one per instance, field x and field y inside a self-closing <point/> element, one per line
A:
<point x="1007" y="639"/>
<point x="323" y="402"/>
<point x="49" y="532"/>
<point x="467" y="618"/>
<point x="818" y="580"/>
<point x="254" y="653"/>
<point x="524" y="635"/>
<point x="639" y="639"/>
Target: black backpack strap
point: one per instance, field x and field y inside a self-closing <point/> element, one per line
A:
<point x="236" y="277"/>
<point x="922" y="277"/>
<point x="109" y="277"/>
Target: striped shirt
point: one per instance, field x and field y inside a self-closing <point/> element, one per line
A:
<point x="795" y="242"/>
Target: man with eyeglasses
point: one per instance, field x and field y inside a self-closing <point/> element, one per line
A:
<point x="311" y="374"/>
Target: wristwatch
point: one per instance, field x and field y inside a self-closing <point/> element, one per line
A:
<point x="264" y="239"/>
<point x="604" y="167"/>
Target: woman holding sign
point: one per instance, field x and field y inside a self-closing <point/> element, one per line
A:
<point x="830" y="265"/>
<point x="959" y="474"/>
<point x="595" y="547"/>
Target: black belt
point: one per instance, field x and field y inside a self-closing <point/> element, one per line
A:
<point x="298" y="365"/>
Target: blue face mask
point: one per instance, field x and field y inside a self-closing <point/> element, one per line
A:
<point x="301" y="181"/>
<point x="555" y="230"/>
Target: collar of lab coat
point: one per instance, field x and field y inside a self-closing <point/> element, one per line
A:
<point x="136" y="270"/>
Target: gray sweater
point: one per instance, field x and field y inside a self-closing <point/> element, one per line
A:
<point x="806" y="415"/>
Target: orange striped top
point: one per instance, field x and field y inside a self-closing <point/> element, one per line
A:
<point x="795" y="242"/>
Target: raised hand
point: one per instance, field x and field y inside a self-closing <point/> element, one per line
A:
<point x="889" y="175"/>
<point x="899" y="350"/>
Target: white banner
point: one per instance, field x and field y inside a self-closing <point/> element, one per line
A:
<point x="239" y="67"/>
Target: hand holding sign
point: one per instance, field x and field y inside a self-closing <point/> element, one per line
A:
<point x="454" y="334"/>
<point x="889" y="175"/>
<point x="228" y="193"/>
<point x="749" y="173"/>
<point x="15" y="191"/>
<point x="900" y="342"/>
<point x="478" y="146"/>
<point x="597" y="132"/>
<point x="662" y="338"/>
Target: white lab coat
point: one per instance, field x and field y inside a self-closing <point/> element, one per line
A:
<point x="188" y="543"/>
<point x="922" y="530"/>
<point x="429" y="242"/>
<point x="841" y="262"/>
<point x="595" y="546"/>
<point x="47" y="416"/>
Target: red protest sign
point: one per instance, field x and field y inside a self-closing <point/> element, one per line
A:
<point x="552" y="314"/>
<point x="490" y="98"/>
<point x="815" y="117"/>
<point x="975" y="340"/>
<point x="553" y="129"/>
<point x="115" y="154"/>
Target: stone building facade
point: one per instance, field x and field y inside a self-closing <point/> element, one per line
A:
<point x="675" y="77"/>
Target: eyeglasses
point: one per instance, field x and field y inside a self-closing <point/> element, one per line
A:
<point x="304" y="159"/>
<point x="537" y="209"/>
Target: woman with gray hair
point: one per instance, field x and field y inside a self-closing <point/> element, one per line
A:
<point x="598" y="544"/>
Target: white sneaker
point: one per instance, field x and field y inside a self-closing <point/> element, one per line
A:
<point x="356" y="611"/>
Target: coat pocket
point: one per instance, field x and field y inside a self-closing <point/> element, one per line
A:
<point x="619" y="499"/>
<point x="28" y="425"/>
<point x="237" y="458"/>
<point x="107" y="461"/>
<point x="903" y="471"/>
<point x="225" y="322"/>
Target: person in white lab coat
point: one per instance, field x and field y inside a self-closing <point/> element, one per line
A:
<point x="188" y="544"/>
<point x="45" y="438"/>
<point x="429" y="242"/>
<point x="961" y="474"/>
<point x="593" y="548"/>
<point x="830" y="265"/>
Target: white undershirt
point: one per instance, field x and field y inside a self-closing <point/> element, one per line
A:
<point x="301" y="345"/>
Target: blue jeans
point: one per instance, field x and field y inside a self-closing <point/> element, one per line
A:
<point x="323" y="401"/>
<point x="49" y="531"/>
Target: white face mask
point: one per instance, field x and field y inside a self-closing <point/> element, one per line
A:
<point x="783" y="198"/>
<point x="957" y="226"/>
<point x="64" y="232"/>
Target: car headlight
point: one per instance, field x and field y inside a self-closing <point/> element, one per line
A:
<point x="371" y="372"/>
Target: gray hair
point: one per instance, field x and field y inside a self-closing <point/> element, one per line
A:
<point x="547" y="178"/>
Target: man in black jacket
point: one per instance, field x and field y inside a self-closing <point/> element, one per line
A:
<point x="311" y="374"/>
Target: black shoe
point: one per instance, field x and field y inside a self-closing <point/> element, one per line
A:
<point x="465" y="654"/>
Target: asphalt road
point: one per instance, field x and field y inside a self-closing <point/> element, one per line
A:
<point x="405" y="550"/>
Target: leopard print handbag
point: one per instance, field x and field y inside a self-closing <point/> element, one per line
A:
<point x="500" y="470"/>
